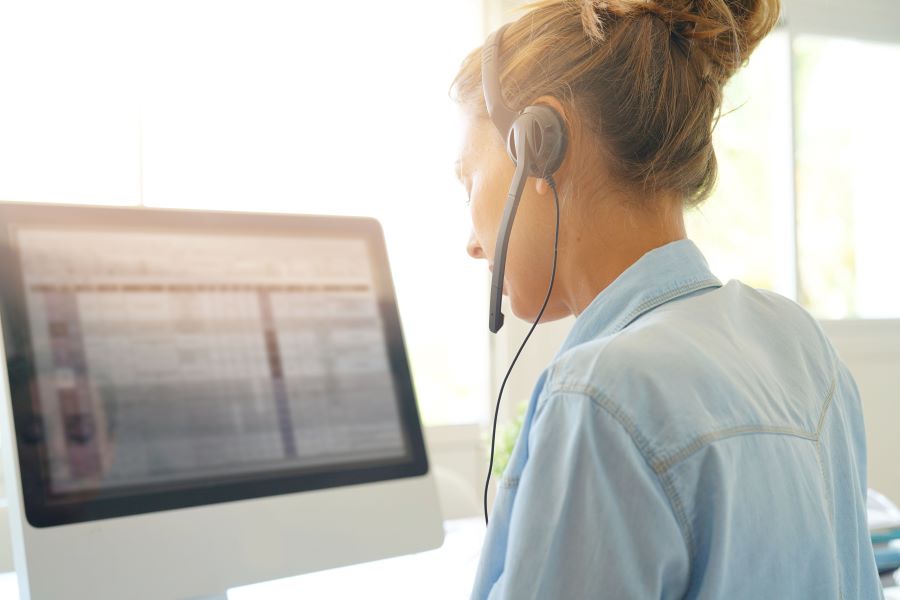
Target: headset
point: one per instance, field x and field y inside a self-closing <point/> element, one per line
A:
<point x="536" y="140"/>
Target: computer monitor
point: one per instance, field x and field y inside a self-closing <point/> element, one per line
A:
<point x="201" y="400"/>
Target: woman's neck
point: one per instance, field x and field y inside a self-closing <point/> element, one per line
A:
<point x="600" y="248"/>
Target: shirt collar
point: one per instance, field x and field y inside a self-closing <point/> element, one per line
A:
<point x="662" y="274"/>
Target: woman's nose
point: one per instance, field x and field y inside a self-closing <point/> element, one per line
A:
<point x="474" y="248"/>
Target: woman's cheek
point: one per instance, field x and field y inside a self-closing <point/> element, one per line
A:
<point x="485" y="230"/>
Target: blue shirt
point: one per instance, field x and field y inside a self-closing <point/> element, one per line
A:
<point x="689" y="440"/>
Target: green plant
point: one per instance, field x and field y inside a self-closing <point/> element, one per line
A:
<point x="506" y="440"/>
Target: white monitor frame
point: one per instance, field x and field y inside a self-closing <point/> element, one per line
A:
<point x="202" y="550"/>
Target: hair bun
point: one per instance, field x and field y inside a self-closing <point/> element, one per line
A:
<point x="726" y="31"/>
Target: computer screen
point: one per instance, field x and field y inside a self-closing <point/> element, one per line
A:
<point x="164" y="359"/>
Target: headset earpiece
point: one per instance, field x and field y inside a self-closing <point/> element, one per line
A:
<point x="544" y="131"/>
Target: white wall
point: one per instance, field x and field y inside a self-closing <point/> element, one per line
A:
<point x="871" y="349"/>
<point x="876" y="20"/>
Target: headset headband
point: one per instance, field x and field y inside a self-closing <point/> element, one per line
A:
<point x="500" y="113"/>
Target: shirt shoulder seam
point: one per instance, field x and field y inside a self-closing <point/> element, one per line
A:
<point x="661" y="464"/>
<point x="676" y="291"/>
<point x="604" y="403"/>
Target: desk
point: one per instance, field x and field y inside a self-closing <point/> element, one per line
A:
<point x="445" y="573"/>
<point x="890" y="585"/>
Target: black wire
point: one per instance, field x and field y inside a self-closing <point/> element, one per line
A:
<point x="487" y="482"/>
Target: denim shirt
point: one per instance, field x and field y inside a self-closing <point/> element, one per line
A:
<point x="689" y="440"/>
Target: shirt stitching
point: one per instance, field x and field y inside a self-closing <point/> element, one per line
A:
<point x="826" y="489"/>
<point x="661" y="467"/>
<point x="827" y="404"/>
<point x="665" y="297"/>
<point x="509" y="482"/>
<point x="641" y="443"/>
<point x="663" y="464"/>
<point x="681" y="288"/>
<point x="826" y="486"/>
<point x="699" y="442"/>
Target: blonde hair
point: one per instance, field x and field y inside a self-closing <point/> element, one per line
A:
<point x="645" y="76"/>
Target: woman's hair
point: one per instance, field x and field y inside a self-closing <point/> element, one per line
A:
<point x="646" y="76"/>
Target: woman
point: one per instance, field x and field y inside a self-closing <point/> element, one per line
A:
<point x="690" y="439"/>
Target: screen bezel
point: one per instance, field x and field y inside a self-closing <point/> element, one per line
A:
<point x="45" y="509"/>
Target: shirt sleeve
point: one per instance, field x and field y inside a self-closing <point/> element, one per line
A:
<point x="591" y="518"/>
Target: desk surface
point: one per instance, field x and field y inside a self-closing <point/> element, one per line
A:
<point x="445" y="573"/>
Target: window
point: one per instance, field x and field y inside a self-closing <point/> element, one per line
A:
<point x="69" y="118"/>
<point x="265" y="105"/>
<point x="806" y="204"/>
<point x="848" y="201"/>
<point x="744" y="228"/>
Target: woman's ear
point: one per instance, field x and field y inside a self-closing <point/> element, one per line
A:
<point x="555" y="104"/>
<point x="541" y="186"/>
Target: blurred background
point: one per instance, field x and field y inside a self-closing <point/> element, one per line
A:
<point x="343" y="108"/>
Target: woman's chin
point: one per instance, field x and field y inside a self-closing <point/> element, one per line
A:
<point x="531" y="311"/>
<point x="515" y="307"/>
